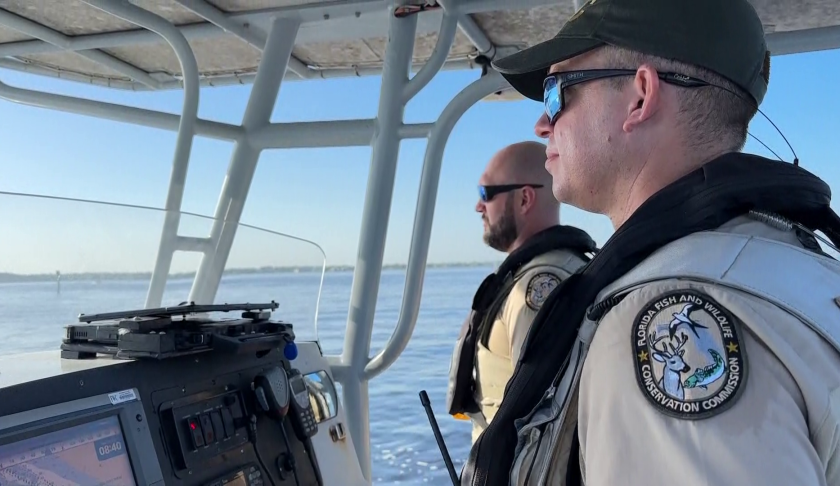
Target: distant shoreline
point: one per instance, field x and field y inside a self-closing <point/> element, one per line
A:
<point x="97" y="276"/>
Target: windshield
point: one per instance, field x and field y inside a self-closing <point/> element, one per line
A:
<point x="64" y="257"/>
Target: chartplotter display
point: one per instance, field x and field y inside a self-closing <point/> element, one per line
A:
<point x="90" y="454"/>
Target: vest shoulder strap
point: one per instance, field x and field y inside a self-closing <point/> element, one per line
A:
<point x="486" y="324"/>
<point x="794" y="279"/>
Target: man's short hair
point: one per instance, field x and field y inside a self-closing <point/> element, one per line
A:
<point x="712" y="115"/>
<point x="723" y="36"/>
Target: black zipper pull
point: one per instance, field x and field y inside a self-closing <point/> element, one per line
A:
<point x="597" y="311"/>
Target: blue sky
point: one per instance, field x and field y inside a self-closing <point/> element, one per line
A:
<point x="319" y="193"/>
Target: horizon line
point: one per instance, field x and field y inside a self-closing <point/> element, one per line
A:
<point x="9" y="277"/>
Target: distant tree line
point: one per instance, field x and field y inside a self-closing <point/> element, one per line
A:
<point x="96" y="276"/>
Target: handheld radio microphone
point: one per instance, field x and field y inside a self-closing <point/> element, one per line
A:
<point x="424" y="399"/>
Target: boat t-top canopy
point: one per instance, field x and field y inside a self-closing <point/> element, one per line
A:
<point x="73" y="39"/>
<point x="183" y="44"/>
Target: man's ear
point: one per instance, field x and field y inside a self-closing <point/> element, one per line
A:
<point x="528" y="200"/>
<point x="646" y="97"/>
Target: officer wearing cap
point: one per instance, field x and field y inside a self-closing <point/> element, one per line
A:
<point x="701" y="345"/>
<point x="521" y="219"/>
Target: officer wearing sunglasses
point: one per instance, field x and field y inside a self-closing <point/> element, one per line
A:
<point x="521" y="219"/>
<point x="701" y="345"/>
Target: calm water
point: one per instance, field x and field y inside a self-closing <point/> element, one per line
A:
<point x="403" y="448"/>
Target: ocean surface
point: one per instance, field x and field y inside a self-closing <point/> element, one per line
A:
<point x="403" y="447"/>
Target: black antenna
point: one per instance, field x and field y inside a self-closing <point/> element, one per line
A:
<point x="692" y="82"/>
<point x="424" y="399"/>
<point x="795" y="158"/>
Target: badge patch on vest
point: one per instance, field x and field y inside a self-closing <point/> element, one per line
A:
<point x="689" y="358"/>
<point x="539" y="287"/>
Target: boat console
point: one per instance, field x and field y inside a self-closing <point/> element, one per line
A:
<point x="168" y="396"/>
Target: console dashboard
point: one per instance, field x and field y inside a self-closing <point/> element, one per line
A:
<point x="207" y="419"/>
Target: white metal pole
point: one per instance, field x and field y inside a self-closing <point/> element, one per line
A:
<point x="243" y="163"/>
<point x="374" y="227"/>
<point x="116" y="112"/>
<point x="470" y="28"/>
<point x="247" y="34"/>
<point x="448" y="26"/>
<point x="186" y="132"/>
<point x="56" y="38"/>
<point x="424" y="216"/>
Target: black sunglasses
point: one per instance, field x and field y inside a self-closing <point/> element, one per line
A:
<point x="555" y="83"/>
<point x="487" y="193"/>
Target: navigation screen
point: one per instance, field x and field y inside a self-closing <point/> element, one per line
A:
<point x="238" y="480"/>
<point x="91" y="454"/>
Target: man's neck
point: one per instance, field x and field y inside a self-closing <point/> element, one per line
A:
<point x="655" y="175"/>
<point x="526" y="233"/>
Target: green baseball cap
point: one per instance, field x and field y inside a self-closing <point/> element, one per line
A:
<point x="723" y="36"/>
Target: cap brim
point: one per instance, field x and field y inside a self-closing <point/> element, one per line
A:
<point x="526" y="70"/>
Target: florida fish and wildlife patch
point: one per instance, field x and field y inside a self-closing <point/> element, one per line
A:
<point x="539" y="287"/>
<point x="688" y="356"/>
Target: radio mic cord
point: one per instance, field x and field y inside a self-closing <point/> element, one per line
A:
<point x="252" y="436"/>
<point x="424" y="399"/>
<point x="291" y="456"/>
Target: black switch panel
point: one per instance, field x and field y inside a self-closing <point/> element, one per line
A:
<point x="204" y="429"/>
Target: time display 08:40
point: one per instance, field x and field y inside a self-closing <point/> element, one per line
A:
<point x="109" y="447"/>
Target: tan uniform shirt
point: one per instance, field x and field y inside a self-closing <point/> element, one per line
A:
<point x="496" y="361"/>
<point x="671" y="417"/>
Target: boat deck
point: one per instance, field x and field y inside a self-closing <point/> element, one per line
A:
<point x="72" y="39"/>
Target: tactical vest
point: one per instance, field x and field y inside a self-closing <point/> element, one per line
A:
<point x="488" y="299"/>
<point x="468" y="407"/>
<point x="485" y="360"/>
<point x="741" y="262"/>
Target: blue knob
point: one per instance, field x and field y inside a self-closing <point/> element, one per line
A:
<point x="290" y="351"/>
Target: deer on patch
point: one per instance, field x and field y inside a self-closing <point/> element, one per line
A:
<point x="671" y="380"/>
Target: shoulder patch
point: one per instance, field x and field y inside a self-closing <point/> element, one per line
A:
<point x="539" y="287"/>
<point x="689" y="359"/>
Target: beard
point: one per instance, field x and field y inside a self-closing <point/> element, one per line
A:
<point x="501" y="235"/>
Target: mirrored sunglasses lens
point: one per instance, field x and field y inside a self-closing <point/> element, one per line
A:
<point x="551" y="98"/>
<point x="482" y="193"/>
